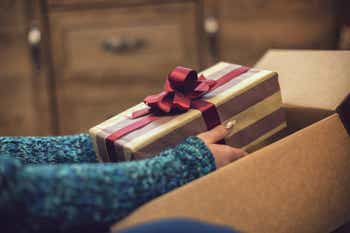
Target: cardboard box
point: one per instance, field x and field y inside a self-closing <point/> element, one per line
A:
<point x="313" y="83"/>
<point x="249" y="96"/>
<point x="300" y="184"/>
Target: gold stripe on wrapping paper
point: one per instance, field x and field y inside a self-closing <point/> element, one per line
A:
<point x="256" y="142"/>
<point x="185" y="118"/>
<point x="93" y="135"/>
<point x="255" y="112"/>
<point x="127" y="153"/>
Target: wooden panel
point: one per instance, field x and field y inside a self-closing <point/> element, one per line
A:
<point x="249" y="28"/>
<point x="17" y="116"/>
<point x="11" y="14"/>
<point x="17" y="112"/>
<point x="168" y="32"/>
<point x="14" y="53"/>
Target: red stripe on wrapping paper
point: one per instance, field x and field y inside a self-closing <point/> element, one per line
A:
<point x="133" y="126"/>
<point x="123" y="131"/>
<point x="230" y="76"/>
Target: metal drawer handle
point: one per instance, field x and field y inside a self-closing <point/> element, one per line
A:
<point x="34" y="39"/>
<point x="211" y="27"/>
<point x="123" y="44"/>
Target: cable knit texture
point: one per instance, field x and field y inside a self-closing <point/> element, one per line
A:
<point x="52" y="184"/>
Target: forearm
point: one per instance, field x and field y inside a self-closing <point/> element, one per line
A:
<point x="91" y="194"/>
<point x="170" y="169"/>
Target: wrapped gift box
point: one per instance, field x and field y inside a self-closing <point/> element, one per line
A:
<point x="249" y="96"/>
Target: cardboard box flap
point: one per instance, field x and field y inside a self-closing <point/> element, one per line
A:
<point x="312" y="79"/>
<point x="298" y="184"/>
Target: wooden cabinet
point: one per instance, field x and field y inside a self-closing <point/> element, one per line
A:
<point x="106" y="60"/>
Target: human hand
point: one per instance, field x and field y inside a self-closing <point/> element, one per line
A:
<point x="223" y="154"/>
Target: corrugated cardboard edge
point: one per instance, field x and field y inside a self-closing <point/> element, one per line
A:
<point x="306" y="190"/>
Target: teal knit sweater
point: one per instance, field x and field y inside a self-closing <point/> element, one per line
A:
<point x="54" y="184"/>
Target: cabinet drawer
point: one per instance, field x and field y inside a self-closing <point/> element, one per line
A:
<point x="139" y="41"/>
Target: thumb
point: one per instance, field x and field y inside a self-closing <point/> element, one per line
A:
<point x="216" y="134"/>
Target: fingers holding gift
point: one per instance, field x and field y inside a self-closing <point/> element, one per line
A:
<point x="214" y="135"/>
<point x="223" y="154"/>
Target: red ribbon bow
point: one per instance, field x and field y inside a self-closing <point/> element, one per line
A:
<point x="182" y="86"/>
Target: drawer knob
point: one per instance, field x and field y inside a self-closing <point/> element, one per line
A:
<point x="123" y="44"/>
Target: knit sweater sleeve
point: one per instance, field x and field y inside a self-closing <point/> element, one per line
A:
<point x="75" y="148"/>
<point x="92" y="196"/>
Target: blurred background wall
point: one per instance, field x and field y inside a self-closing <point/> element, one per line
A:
<point x="66" y="65"/>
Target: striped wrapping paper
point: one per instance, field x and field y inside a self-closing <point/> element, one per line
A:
<point x="253" y="99"/>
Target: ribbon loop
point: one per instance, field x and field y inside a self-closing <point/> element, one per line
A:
<point x="182" y="86"/>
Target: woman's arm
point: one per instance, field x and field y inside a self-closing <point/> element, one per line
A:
<point x="66" y="197"/>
